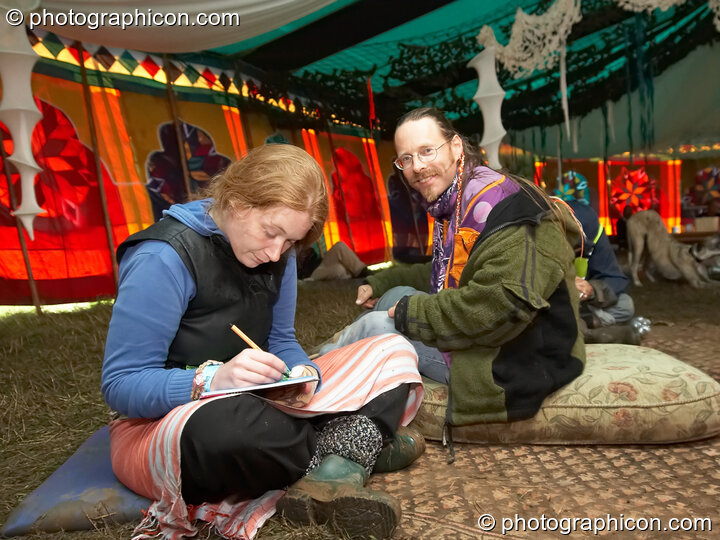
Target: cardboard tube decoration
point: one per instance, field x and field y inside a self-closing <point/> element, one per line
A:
<point x="489" y="97"/>
<point x="17" y="108"/>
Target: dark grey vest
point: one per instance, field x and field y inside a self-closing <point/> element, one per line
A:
<point x="227" y="293"/>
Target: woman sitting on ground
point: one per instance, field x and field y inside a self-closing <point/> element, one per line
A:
<point x="230" y="260"/>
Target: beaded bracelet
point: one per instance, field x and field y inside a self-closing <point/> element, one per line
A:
<point x="201" y="378"/>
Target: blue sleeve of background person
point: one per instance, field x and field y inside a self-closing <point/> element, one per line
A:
<point x="282" y="340"/>
<point x="603" y="265"/>
<point x="154" y="290"/>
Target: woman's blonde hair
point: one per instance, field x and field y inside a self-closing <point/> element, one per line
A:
<point x="274" y="175"/>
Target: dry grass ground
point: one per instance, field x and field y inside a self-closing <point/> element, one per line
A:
<point x="50" y="400"/>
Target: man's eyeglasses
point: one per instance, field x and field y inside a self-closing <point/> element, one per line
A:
<point x="425" y="155"/>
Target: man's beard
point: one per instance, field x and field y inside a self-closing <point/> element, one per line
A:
<point x="430" y="196"/>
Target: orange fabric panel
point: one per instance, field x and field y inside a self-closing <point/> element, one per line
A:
<point x="116" y="152"/>
<point x="235" y="128"/>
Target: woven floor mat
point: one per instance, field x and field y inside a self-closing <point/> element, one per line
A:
<point x="696" y="343"/>
<point x="626" y="483"/>
<point x="631" y="482"/>
<point x="442" y="501"/>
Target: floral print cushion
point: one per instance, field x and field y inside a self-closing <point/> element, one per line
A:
<point x="626" y="394"/>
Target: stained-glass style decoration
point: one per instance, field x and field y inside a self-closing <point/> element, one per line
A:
<point x="150" y="66"/>
<point x="359" y="219"/>
<point x="136" y="63"/>
<point x="706" y="187"/>
<point x="105" y="57"/>
<point x="635" y="189"/>
<point x="165" y="184"/>
<point x="70" y="257"/>
<point x="128" y="61"/>
<point x="574" y="187"/>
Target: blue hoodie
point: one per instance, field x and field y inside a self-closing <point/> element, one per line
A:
<point x="602" y="264"/>
<point x="154" y="291"/>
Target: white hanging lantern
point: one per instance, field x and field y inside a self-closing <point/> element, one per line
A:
<point x="537" y="42"/>
<point x="489" y="97"/>
<point x="18" y="111"/>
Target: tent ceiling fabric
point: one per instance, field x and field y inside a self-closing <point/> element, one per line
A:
<point x="416" y="52"/>
<point x="336" y="32"/>
<point x="255" y="16"/>
<point x="679" y="117"/>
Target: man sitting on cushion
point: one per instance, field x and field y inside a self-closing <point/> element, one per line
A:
<point x="500" y="322"/>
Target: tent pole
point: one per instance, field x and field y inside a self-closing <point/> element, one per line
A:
<point x="339" y="177"/>
<point x="18" y="224"/>
<point x="239" y="84"/>
<point x="96" y="154"/>
<point x="293" y="138"/>
<point x="559" y="160"/>
<point x="178" y="131"/>
<point x="246" y="129"/>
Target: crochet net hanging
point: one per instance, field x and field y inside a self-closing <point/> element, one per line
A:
<point x="537" y="41"/>
<point x="648" y="5"/>
<point x="664" y="5"/>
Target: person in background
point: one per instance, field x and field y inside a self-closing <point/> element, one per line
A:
<point x="338" y="262"/>
<point x="230" y="260"/>
<point x="409" y="220"/>
<point x="495" y="313"/>
<point x="605" y="306"/>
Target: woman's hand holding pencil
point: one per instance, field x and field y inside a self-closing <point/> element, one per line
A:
<point x="249" y="367"/>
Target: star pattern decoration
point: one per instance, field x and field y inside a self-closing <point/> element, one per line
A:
<point x="574" y="187"/>
<point x="707" y="186"/>
<point x="635" y="189"/>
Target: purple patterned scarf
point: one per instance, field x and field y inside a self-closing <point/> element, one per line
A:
<point x="442" y="209"/>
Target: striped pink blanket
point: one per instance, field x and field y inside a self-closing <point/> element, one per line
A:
<point x="146" y="453"/>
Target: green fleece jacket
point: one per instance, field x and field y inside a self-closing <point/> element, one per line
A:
<point x="512" y="324"/>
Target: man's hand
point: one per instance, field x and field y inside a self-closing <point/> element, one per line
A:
<point x="585" y="289"/>
<point x="391" y="311"/>
<point x="248" y="368"/>
<point x="365" y="297"/>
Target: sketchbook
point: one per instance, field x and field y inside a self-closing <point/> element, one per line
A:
<point x="260" y="387"/>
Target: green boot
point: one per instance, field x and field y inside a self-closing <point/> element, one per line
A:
<point x="334" y="493"/>
<point x="406" y="447"/>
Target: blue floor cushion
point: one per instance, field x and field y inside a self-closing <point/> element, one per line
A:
<point x="83" y="490"/>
